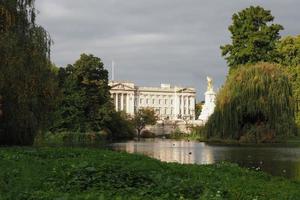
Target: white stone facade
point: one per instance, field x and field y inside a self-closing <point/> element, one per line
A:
<point x="170" y="103"/>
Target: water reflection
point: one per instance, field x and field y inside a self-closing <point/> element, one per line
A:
<point x="274" y="160"/>
<point x="170" y="151"/>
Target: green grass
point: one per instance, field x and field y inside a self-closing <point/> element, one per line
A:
<point x="82" y="173"/>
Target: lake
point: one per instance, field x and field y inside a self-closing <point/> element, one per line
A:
<point x="278" y="161"/>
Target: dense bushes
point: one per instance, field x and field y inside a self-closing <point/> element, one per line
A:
<point x="255" y="104"/>
<point x="121" y="126"/>
<point x="72" y="139"/>
<point x="196" y="133"/>
<point x="147" y="134"/>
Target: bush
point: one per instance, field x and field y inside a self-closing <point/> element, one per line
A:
<point x="72" y="139"/>
<point x="120" y="126"/>
<point x="147" y="134"/>
<point x="177" y="134"/>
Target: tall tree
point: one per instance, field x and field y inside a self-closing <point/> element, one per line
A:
<point x="289" y="56"/>
<point x="26" y="82"/>
<point x="253" y="37"/>
<point x="86" y="103"/>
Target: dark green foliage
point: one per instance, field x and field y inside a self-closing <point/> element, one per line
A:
<point x="120" y="126"/>
<point x="26" y="81"/>
<point x="143" y="118"/>
<point x="253" y="37"/>
<point x="61" y="173"/>
<point x="147" y="134"/>
<point x="72" y="139"/>
<point x="255" y="105"/>
<point x="85" y="103"/>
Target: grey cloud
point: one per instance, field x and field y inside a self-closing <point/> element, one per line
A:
<point x="153" y="41"/>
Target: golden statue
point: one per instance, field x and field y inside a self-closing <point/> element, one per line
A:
<point x="209" y="84"/>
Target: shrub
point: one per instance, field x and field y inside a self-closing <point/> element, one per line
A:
<point x="147" y="134"/>
<point x="72" y="139"/>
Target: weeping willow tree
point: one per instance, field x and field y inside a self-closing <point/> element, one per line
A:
<point x="27" y="85"/>
<point x="255" y="104"/>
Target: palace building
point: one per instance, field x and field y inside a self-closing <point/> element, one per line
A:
<point x="169" y="102"/>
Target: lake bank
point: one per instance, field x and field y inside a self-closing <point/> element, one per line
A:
<point x="81" y="173"/>
<point x="292" y="141"/>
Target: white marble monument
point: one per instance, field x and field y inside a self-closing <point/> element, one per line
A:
<point x="209" y="105"/>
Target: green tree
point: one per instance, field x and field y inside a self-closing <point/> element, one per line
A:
<point x="289" y="56"/>
<point x="289" y="51"/>
<point x="27" y="84"/>
<point x="86" y="103"/>
<point x="143" y="118"/>
<point x="255" y="104"/>
<point x="253" y="37"/>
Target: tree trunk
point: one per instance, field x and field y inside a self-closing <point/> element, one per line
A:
<point x="139" y="134"/>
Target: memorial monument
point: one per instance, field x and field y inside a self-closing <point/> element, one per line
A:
<point x="209" y="105"/>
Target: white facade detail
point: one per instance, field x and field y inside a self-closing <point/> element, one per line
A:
<point x="170" y="103"/>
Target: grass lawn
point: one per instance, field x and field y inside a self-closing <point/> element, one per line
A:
<point x="82" y="173"/>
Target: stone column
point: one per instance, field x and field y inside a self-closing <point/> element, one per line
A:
<point x="127" y="103"/>
<point x="132" y="104"/>
<point x="192" y="107"/>
<point x="116" y="101"/>
<point x="182" y="106"/>
<point x="112" y="96"/>
<point x="175" y="105"/>
<point x="122" y="102"/>
<point x="186" y="105"/>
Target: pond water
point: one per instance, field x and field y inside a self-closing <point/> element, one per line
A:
<point x="278" y="161"/>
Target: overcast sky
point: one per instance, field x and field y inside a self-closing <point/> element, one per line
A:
<point x="153" y="41"/>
